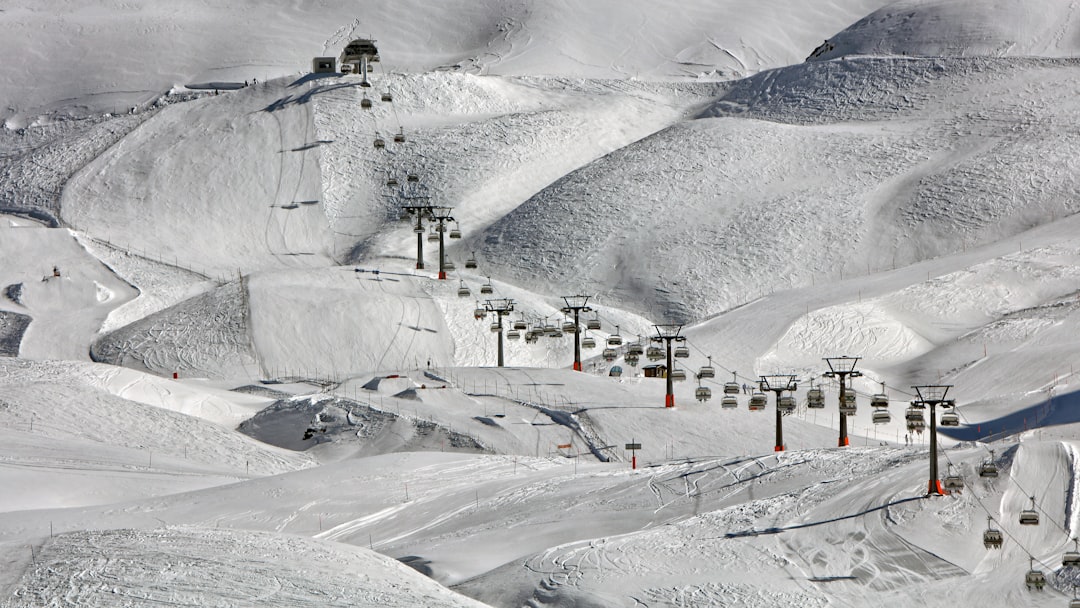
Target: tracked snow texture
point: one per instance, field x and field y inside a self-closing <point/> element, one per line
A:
<point x="906" y="196"/>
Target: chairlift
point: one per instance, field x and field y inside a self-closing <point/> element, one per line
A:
<point x="471" y="263"/>
<point x="433" y="237"/>
<point x="386" y="96"/>
<point x="992" y="538"/>
<point x="520" y="324"/>
<point x="1034" y="578"/>
<point x="729" y="402"/>
<point x="1030" y="517"/>
<point x="379" y="143"/>
<point x="478" y="313"/>
<point x="588" y="342"/>
<point x="449" y="265"/>
<point x="815" y="398"/>
<point x="707" y="371"/>
<point x="496" y="328"/>
<point x="365" y="102"/>
<point x="593" y="323"/>
<point x="632" y="359"/>
<point x="455" y="232"/>
<point x="678" y="374"/>
<point x="464" y="292"/>
<point x="879" y="400"/>
<point x="609" y="354"/>
<point x="635" y="348"/>
<point x="513" y="334"/>
<point x="732" y="388"/>
<point x="988" y="468"/>
<point x="392" y="182"/>
<point x="950" y="418"/>
<point x="615" y="339"/>
<point x="531" y="336"/>
<point x="703" y="393"/>
<point x="399" y="137"/>
<point x="848" y="406"/>
<point x="952" y="481"/>
<point x="786" y="404"/>
<point x="1071" y="558"/>
<point x="682" y="352"/>
<point x="412" y="178"/>
<point x="553" y="331"/>
<point x="569" y="327"/>
<point x="654" y="353"/>
<point x="881" y="417"/>
<point x="487" y="288"/>
<point x="757" y="402"/>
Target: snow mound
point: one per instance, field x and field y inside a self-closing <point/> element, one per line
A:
<point x="933" y="28"/>
<point x="204" y="567"/>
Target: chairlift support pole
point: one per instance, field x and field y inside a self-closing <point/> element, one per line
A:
<point x="668" y="333"/>
<point x="842" y="367"/>
<point x="442" y="216"/>
<point x="421" y="212"/>
<point x="933" y="395"/>
<point x="500" y="308"/>
<point x="778" y="383"/>
<point x="577" y="305"/>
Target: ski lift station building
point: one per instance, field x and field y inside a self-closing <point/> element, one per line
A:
<point x="324" y="65"/>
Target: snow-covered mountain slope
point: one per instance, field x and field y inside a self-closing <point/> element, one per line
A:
<point x="77" y="59"/>
<point x="933" y="28"/>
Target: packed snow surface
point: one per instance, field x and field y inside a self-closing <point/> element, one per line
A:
<point x="226" y="379"/>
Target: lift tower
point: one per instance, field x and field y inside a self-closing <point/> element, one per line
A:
<point x="576" y="305"/>
<point x="778" y="384"/>
<point x="666" y="334"/>
<point x="933" y="395"/>
<point x="842" y="367"/>
<point x="441" y="215"/>
<point x="500" y="308"/>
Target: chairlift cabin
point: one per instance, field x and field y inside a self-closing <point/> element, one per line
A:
<point x="615" y="339"/>
<point x="757" y="402"/>
<point x="386" y="96"/>
<point x="471" y="262"/>
<point x="654" y="353"/>
<point x="635" y="348"/>
<point x="950" y="418"/>
<point x="412" y="178"/>
<point x="703" y="393"/>
<point x="569" y="327"/>
<point x="455" y="233"/>
<point x="1034" y="579"/>
<point x="953" y="482"/>
<point x="815" y="398"/>
<point x="399" y="137"/>
<point x="379" y="143"/>
<point x="478" y="313"/>
<point x="496" y="328"/>
<point x="988" y="469"/>
<point x="678" y="374"/>
<point x="520" y="324"/>
<point x="992" y="538"/>
<point x="513" y="334"/>
<point x="707" y="371"/>
<point x="632" y="359"/>
<point x="609" y="354"/>
<point x="1030" y="517"/>
<point x="433" y="237"/>
<point x="682" y="352"/>
<point x="1071" y="558"/>
<point x="1074" y="603"/>
<point x="588" y="342"/>
<point x="593" y="323"/>
<point x="729" y="402"/>
<point x="365" y="103"/>
<point x="881" y="417"/>
<point x="786" y="404"/>
<point x="732" y="388"/>
<point x="464" y="292"/>
<point x="848" y="406"/>
<point x="449" y="265"/>
<point x="879" y="400"/>
<point x="486" y="288"/>
<point x="392" y="181"/>
<point x="553" y="332"/>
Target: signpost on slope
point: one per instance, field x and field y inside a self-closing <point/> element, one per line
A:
<point x="633" y="447"/>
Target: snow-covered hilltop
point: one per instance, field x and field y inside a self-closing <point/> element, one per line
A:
<point x="225" y="381"/>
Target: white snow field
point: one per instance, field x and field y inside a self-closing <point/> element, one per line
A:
<point x="237" y="389"/>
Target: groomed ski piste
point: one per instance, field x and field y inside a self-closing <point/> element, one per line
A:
<point x="237" y="389"/>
